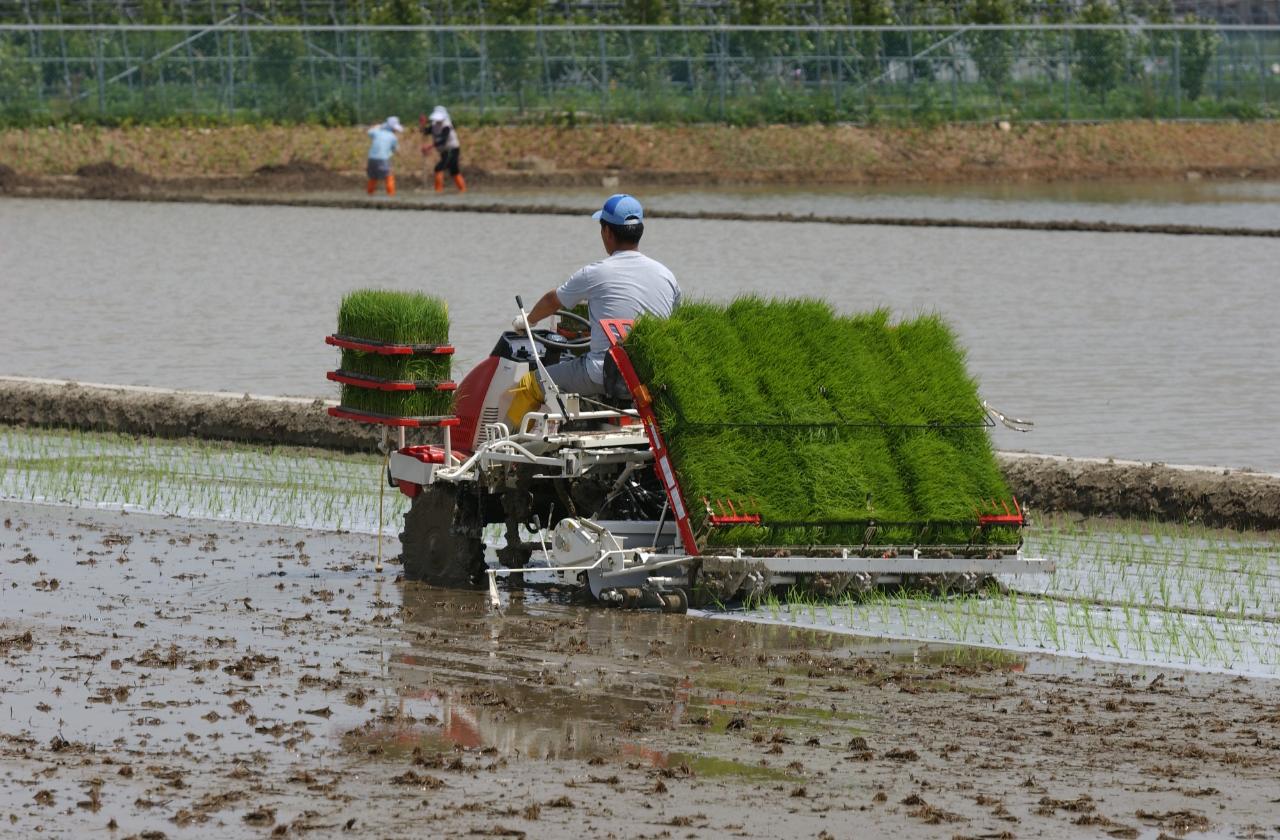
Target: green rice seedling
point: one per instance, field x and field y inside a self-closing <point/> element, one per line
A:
<point x="821" y="423"/>
<point x="396" y="317"/>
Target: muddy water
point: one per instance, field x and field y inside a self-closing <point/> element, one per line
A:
<point x="1146" y="347"/>
<point x="197" y="678"/>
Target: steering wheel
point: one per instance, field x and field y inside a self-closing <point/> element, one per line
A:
<point x="561" y="341"/>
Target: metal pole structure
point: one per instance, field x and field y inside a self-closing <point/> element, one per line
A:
<point x="102" y="73"/>
<point x="840" y="73"/>
<point x="1217" y="74"/>
<point x="1177" y="75"/>
<point x="720" y="60"/>
<point x="1066" y="76"/>
<point x="546" y="66"/>
<point x="484" y="71"/>
<point x="231" y="73"/>
<point x="191" y="66"/>
<point x="955" y="79"/>
<point x="62" y="39"/>
<point x="604" y="79"/>
<point x="1262" y="70"/>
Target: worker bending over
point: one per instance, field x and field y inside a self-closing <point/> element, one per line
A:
<point x="382" y="146"/>
<point x="624" y="285"/>
<point x="444" y="137"/>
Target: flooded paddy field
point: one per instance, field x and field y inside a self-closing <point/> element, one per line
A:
<point x="1147" y="347"/>
<point x="185" y="676"/>
<point x="194" y="638"/>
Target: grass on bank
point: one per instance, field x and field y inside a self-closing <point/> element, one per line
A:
<point x="396" y="317"/>
<point x="820" y="423"/>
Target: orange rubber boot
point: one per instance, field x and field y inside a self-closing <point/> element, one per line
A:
<point x="391" y="185"/>
<point x="462" y="185"/>
<point x="372" y="186"/>
<point x="439" y="182"/>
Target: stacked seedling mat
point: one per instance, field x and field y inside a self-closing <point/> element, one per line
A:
<point x="836" y="430"/>
<point x="395" y="359"/>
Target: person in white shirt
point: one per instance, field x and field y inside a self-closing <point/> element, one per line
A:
<point x="382" y="145"/>
<point x="624" y="285"/>
<point x="444" y="137"/>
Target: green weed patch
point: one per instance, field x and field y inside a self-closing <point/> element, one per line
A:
<point x="836" y="429"/>
<point x="397" y="318"/>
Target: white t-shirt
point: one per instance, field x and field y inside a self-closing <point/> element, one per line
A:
<point x="624" y="285"/>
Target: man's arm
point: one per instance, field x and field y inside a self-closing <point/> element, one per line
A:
<point x="546" y="306"/>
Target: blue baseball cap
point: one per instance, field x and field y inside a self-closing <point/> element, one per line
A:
<point x="620" y="209"/>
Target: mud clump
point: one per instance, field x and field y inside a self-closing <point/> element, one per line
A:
<point x="1217" y="498"/>
<point x="105" y="179"/>
<point x="108" y="171"/>
<point x="9" y="179"/>
<point x="293" y="167"/>
<point x="300" y="175"/>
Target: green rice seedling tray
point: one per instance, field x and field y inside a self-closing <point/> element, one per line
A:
<point x="382" y="348"/>
<point x="377" y="383"/>
<point x="396" y="355"/>
<point x="831" y="429"/>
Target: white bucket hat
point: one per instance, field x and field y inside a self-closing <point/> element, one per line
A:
<point x="439" y="114"/>
<point x="393" y="123"/>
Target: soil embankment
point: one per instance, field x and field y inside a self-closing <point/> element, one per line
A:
<point x="53" y="161"/>
<point x="1214" y="497"/>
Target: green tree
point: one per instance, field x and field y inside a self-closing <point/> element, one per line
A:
<point x="402" y="55"/>
<point x="872" y="46"/>
<point x="276" y="70"/>
<point x="19" y="78"/>
<point x="1099" y="54"/>
<point x="644" y="75"/>
<point x="1197" y="49"/>
<point x="511" y="54"/>
<point x="992" y="51"/>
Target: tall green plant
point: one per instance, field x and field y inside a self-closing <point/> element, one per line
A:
<point x="1198" y="47"/>
<point x="993" y="52"/>
<point x="1099" y="54"/>
<point x="277" y="68"/>
<point x="402" y="54"/>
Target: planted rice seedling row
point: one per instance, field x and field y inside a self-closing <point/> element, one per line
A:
<point x="199" y="480"/>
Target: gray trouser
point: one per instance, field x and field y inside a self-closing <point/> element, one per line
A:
<point x="572" y="377"/>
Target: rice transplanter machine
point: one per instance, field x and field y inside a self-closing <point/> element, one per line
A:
<point x="587" y="494"/>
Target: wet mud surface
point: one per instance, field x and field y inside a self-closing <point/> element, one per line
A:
<point x="170" y="677"/>
<point x="308" y="184"/>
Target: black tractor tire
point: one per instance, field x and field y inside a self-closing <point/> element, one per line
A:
<point x="440" y="544"/>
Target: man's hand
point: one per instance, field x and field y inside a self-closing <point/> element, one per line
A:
<point x="517" y="324"/>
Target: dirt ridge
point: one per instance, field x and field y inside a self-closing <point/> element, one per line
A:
<point x="109" y="191"/>
<point x="1094" y="487"/>
<point x="685" y="154"/>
